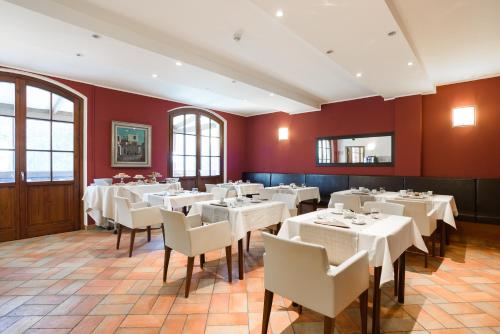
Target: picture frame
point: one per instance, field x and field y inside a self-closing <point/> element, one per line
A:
<point x="130" y="144"/>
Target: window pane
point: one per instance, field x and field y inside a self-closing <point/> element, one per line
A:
<point x="191" y="124"/>
<point x="205" y="166"/>
<point x="37" y="135"/>
<point x="215" y="147"/>
<point x="205" y="146"/>
<point x="190" y="166"/>
<point x="178" y="125"/>
<point x="37" y="166"/>
<point x="62" y="166"/>
<point x="178" y="144"/>
<point x="62" y="136"/>
<point x="215" y="129"/>
<point x="7" y="98"/>
<point x="62" y="109"/>
<point x="7" y="167"/>
<point x="178" y="165"/>
<point x="37" y="102"/>
<point x="7" y="132"/>
<point x="190" y="145"/>
<point x="214" y="166"/>
<point x="205" y="126"/>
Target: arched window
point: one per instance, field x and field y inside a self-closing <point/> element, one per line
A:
<point x="40" y="157"/>
<point x="196" y="147"/>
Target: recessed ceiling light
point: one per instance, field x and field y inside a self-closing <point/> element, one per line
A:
<point x="391" y="33"/>
<point x="79" y="55"/>
<point x="279" y="13"/>
<point x="96" y="36"/>
<point x="178" y="63"/>
<point x="359" y="75"/>
<point x="271" y="94"/>
<point x="410" y="63"/>
<point x="329" y="51"/>
<point x="154" y="75"/>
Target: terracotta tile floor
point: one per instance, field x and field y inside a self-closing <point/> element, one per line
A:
<point x="77" y="282"/>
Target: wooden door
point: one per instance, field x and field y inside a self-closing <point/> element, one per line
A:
<point x="44" y="192"/>
<point x="196" y="146"/>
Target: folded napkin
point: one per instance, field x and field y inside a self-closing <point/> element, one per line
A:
<point x="331" y="222"/>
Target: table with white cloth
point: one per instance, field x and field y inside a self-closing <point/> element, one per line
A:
<point x="385" y="239"/>
<point x="244" y="189"/>
<point x="303" y="193"/>
<point x="446" y="208"/>
<point x="173" y="200"/>
<point x="245" y="218"/>
<point x="99" y="200"/>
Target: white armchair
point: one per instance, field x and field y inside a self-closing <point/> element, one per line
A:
<point x="301" y="272"/>
<point x="138" y="217"/>
<point x="385" y="207"/>
<point x="424" y="218"/>
<point x="209" y="187"/>
<point x="187" y="235"/>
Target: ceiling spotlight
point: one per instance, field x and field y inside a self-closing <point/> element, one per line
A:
<point x="410" y="63"/>
<point x="178" y="63"/>
<point x="271" y="94"/>
<point x="329" y="51"/>
<point x="359" y="75"/>
<point x="391" y="33"/>
<point x="96" y="36"/>
<point x="154" y="75"/>
<point x="79" y="55"/>
<point x="279" y="13"/>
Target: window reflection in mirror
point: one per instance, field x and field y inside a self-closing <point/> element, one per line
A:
<point x="360" y="149"/>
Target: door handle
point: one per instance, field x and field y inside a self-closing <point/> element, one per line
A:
<point x="22" y="176"/>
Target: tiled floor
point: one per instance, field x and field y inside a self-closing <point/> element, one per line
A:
<point x="77" y="282"/>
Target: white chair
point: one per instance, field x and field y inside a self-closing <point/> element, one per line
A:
<point x="209" y="187"/>
<point x="138" y="217"/>
<point x="351" y="202"/>
<point x="219" y="192"/>
<point x="300" y="271"/>
<point x="188" y="236"/>
<point x="264" y="194"/>
<point x="385" y="207"/>
<point x="425" y="220"/>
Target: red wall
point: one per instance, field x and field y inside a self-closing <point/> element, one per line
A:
<point x="106" y="105"/>
<point x="463" y="151"/>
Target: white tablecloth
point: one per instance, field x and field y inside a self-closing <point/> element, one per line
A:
<point x="99" y="201"/>
<point x="303" y="193"/>
<point x="384" y="239"/>
<point x="243" y="189"/>
<point x="177" y="201"/>
<point x="250" y="217"/>
<point x="446" y="208"/>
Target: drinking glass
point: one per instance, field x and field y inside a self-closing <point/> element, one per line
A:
<point x="195" y="190"/>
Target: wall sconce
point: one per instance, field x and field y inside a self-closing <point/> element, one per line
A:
<point x="464" y="116"/>
<point x="283" y="134"/>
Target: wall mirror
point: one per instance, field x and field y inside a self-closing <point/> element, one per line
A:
<point x="359" y="150"/>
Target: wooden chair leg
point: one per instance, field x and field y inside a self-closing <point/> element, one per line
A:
<point x="268" y="303"/>
<point x="248" y="240"/>
<point x="433" y="240"/>
<point x="189" y="274"/>
<point x="300" y="309"/>
<point x="229" y="260"/>
<point x="163" y="232"/>
<point x="202" y="260"/>
<point x="132" y="239"/>
<point x="119" y="236"/>
<point x="396" y="275"/>
<point x="149" y="233"/>
<point x="168" y="250"/>
<point x="363" y="309"/>
<point x="329" y="325"/>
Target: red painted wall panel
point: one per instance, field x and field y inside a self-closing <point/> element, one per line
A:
<point x="408" y="129"/>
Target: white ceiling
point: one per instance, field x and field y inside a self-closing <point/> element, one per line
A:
<point x="280" y="64"/>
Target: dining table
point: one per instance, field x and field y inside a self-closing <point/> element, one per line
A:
<point x="176" y="199"/>
<point x="446" y="208"/>
<point x="303" y="193"/>
<point x="244" y="189"/>
<point x="244" y="215"/>
<point x="385" y="237"/>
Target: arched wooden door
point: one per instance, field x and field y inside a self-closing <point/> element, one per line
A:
<point x="40" y="158"/>
<point x="196" y="148"/>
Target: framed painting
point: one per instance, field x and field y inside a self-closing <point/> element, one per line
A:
<point x="130" y="145"/>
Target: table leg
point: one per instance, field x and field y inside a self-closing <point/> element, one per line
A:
<point x="448" y="231"/>
<point x="401" y="279"/>
<point x="442" y="245"/>
<point x="240" y="258"/>
<point x="396" y="274"/>
<point x="376" y="301"/>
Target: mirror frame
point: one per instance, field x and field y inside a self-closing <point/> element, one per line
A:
<point x="363" y="164"/>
